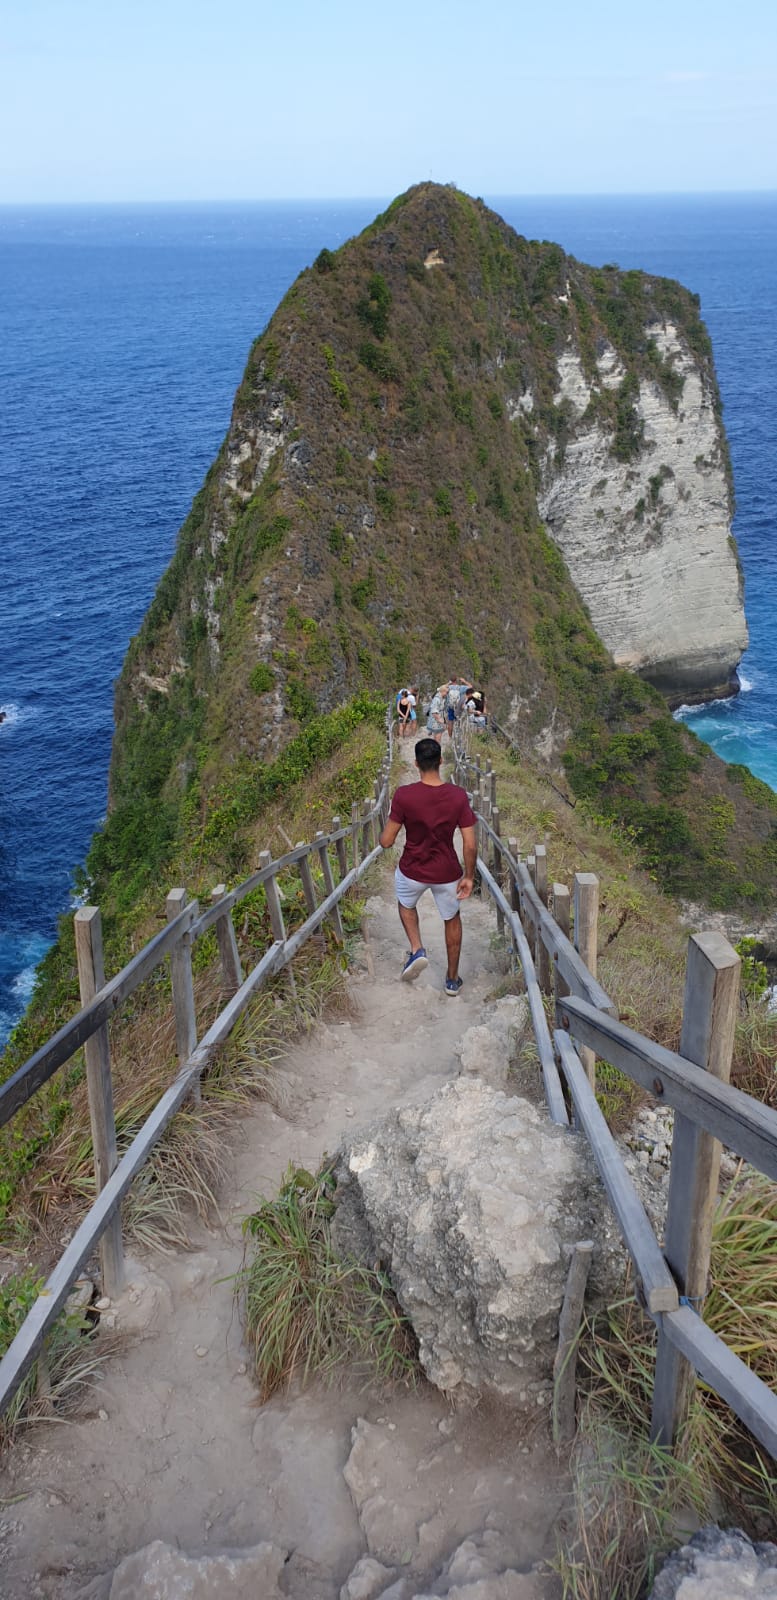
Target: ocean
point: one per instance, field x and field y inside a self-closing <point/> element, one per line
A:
<point x="124" y="333"/>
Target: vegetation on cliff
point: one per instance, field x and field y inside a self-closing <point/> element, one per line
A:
<point x="372" y="516"/>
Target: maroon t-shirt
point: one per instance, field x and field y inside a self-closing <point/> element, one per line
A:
<point x="430" y="814"/>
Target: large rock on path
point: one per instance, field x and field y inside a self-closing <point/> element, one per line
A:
<point x="160" y="1572"/>
<point x="719" y="1564"/>
<point x="473" y="1202"/>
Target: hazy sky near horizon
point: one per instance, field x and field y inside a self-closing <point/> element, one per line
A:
<point x="190" y="100"/>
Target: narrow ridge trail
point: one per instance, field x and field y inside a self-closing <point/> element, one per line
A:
<point x="175" y="1445"/>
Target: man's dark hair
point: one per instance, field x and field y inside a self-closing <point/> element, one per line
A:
<point x="428" y="755"/>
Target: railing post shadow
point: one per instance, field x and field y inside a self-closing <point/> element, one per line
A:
<point x="710" y="1007"/>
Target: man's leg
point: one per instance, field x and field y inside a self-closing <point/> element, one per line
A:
<point x="408" y="917"/>
<point x="453" y="944"/>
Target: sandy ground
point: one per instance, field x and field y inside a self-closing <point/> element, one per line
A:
<point x="175" y="1444"/>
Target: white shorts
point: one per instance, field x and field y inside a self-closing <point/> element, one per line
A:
<point x="409" y="891"/>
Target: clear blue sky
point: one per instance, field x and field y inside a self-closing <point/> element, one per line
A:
<point x="194" y="100"/>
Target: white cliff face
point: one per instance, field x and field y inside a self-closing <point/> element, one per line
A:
<point x="648" y="541"/>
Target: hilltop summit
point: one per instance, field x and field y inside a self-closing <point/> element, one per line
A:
<point x="452" y="449"/>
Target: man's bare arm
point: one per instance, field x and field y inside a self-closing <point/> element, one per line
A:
<point x="389" y="834"/>
<point x="466" y="884"/>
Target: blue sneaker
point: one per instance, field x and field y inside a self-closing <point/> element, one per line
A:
<point x="415" y="963"/>
<point x="453" y="985"/>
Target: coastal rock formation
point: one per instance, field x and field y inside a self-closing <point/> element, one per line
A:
<point x="473" y="1201"/>
<point x="647" y="539"/>
<point x="453" y="448"/>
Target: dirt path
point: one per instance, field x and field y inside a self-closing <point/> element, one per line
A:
<point x="176" y="1446"/>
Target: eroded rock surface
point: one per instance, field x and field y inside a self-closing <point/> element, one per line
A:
<point x="488" y="1049"/>
<point x="160" y="1572"/>
<point x="473" y="1202"/>
<point x="719" y="1564"/>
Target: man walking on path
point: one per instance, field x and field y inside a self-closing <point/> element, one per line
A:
<point x="430" y="812"/>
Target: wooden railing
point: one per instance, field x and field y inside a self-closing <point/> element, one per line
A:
<point x="355" y="848"/>
<point x="559" y="973"/>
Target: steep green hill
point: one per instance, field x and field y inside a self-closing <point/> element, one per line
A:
<point x="372" y="517"/>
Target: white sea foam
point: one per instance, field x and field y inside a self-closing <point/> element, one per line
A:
<point x="11" y="714"/>
<point x="745" y="684"/>
<point x="24" y="983"/>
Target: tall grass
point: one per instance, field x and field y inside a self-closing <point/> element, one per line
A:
<point x="306" y="1311"/>
<point x="717" y="1468"/>
<point x="57" y="1382"/>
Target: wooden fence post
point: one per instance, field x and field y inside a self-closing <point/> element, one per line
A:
<point x="329" y="886"/>
<point x="586" y="936"/>
<point x="497" y="868"/>
<point x="561" y="915"/>
<point x="565" y="1364"/>
<point x="355" y="834"/>
<point x="183" y="989"/>
<point x="91" y="977"/>
<point x="710" y="1008"/>
<point x="341" y="850"/>
<point x="541" y="957"/>
<point x="227" y="943"/>
<point x="366" y="827"/>
<point x="308" y="886"/>
<point x="275" y="914"/>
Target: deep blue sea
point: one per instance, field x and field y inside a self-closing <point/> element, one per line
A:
<point x="123" y="334"/>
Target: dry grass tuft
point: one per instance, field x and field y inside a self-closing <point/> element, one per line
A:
<point x="305" y="1311"/>
<point x="58" y="1383"/>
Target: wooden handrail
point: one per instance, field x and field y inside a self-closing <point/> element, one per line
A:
<point x="740" y="1122"/>
<point x="32" y="1075"/>
<point x="551" y="1080"/>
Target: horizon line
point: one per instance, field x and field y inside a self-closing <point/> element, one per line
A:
<point x="356" y="199"/>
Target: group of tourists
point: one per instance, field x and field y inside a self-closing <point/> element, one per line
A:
<point x="456" y="698"/>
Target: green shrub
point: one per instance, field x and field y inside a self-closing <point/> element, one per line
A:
<point x="261" y="679"/>
<point x="299" y="700"/>
<point x="325" y="261"/>
<point x="374" y="307"/>
<point x="337" y="384"/>
<point x="379" y="361"/>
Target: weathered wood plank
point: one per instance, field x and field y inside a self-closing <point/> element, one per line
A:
<point x="565" y="1361"/>
<point x="31" y="1076"/>
<point x="710" y="1013"/>
<point x="183" y="987"/>
<point x="229" y="954"/>
<point x="550" y="1077"/>
<point x="340" y="847"/>
<point x="561" y="951"/>
<point x="747" y="1395"/>
<point x="659" y="1287"/>
<point x="561" y="913"/>
<point x="87" y="927"/>
<point x="541" y="957"/>
<point x="308" y="886"/>
<point x="329" y="886"/>
<point x="740" y="1122"/>
<point x="586" y="904"/>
